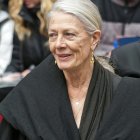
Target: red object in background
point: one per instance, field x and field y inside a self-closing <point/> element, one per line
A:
<point x="1" y="118"/>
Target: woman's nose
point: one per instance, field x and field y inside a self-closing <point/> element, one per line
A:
<point x="60" y="42"/>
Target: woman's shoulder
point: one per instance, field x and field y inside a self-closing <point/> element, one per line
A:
<point x="128" y="86"/>
<point x="125" y="85"/>
<point x="131" y="82"/>
<point x="125" y="106"/>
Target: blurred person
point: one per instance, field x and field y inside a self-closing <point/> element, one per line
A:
<point x="72" y="95"/>
<point x="120" y="19"/>
<point x="126" y="60"/>
<point x="30" y="34"/>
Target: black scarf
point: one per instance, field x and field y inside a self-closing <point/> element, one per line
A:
<point x="97" y="101"/>
<point x="40" y="107"/>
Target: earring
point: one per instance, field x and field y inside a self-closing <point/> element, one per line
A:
<point x="55" y="62"/>
<point x="92" y="58"/>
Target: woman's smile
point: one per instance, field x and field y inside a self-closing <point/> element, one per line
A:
<point x="64" y="57"/>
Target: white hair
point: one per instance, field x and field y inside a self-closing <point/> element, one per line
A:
<point x="85" y="10"/>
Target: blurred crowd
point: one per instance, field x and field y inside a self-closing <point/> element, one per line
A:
<point x="23" y="42"/>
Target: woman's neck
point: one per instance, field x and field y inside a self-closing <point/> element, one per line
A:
<point x="78" y="83"/>
<point x="78" y="80"/>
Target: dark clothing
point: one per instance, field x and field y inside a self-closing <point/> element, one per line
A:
<point x="43" y="111"/>
<point x="126" y="60"/>
<point x="122" y="122"/>
<point x="4" y="5"/>
<point x="49" y="110"/>
<point x="120" y="19"/>
<point x="32" y="50"/>
<point x="4" y="92"/>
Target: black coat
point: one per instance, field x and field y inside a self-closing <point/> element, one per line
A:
<point x="39" y="108"/>
<point x="126" y="60"/>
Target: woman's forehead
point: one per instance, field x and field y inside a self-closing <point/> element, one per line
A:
<point x="64" y="19"/>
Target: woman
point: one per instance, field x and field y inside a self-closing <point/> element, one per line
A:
<point x="70" y="96"/>
<point x="30" y="34"/>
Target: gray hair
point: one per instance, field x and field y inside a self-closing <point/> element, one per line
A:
<point x="85" y="10"/>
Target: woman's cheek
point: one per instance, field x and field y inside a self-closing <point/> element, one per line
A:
<point x="51" y="46"/>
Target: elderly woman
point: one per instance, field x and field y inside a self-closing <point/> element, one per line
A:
<point x="70" y="95"/>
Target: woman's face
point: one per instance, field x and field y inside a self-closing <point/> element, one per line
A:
<point x="69" y="42"/>
<point x="31" y="3"/>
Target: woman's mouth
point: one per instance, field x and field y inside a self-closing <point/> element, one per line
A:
<point x="64" y="57"/>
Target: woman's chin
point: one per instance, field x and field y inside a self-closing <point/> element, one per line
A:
<point x="64" y="66"/>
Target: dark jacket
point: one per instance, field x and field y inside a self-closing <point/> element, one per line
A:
<point x="32" y="50"/>
<point x="42" y="110"/>
<point x="126" y="60"/>
<point x="120" y="19"/>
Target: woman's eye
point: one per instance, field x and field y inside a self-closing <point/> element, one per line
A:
<point x="52" y="36"/>
<point x="69" y="35"/>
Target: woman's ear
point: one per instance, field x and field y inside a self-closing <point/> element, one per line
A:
<point x="95" y="38"/>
